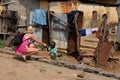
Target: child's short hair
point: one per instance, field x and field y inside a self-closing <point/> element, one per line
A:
<point x="52" y="44"/>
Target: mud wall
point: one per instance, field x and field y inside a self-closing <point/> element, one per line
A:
<point x="68" y="6"/>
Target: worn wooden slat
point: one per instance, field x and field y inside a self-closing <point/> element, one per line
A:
<point x="50" y="25"/>
<point x="106" y="1"/>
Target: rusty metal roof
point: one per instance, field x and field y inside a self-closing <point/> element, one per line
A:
<point x="102" y="2"/>
<point x="99" y="2"/>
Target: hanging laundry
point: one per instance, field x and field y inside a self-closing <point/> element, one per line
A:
<point x="39" y="17"/>
<point x="71" y="15"/>
<point x="94" y="30"/>
<point x="83" y="32"/>
<point x="88" y="31"/>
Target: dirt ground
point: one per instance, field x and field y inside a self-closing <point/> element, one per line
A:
<point x="89" y="43"/>
<point x="12" y="69"/>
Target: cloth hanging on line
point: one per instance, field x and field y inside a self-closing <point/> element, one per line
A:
<point x="39" y="17"/>
<point x="71" y="15"/>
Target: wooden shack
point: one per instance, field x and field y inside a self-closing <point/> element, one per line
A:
<point x="71" y="40"/>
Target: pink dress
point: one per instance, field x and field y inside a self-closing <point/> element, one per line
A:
<point x="23" y="47"/>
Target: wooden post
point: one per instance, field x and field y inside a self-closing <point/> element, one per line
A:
<point x="50" y="24"/>
<point x="78" y="27"/>
<point x="74" y="37"/>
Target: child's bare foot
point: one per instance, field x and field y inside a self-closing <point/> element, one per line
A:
<point x="24" y="57"/>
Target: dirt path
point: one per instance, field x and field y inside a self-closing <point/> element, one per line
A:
<point x="89" y="44"/>
<point x="12" y="69"/>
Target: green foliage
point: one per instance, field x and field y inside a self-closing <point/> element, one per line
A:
<point x="42" y="48"/>
<point x="1" y="44"/>
<point x="79" y="79"/>
<point x="97" y="65"/>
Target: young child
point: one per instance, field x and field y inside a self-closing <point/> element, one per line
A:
<point x="52" y="50"/>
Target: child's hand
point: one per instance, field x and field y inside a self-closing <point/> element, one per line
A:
<point x="45" y="45"/>
<point x="48" y="53"/>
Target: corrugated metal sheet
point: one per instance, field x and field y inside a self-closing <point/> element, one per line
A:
<point x="118" y="2"/>
<point x="38" y="32"/>
<point x="61" y="41"/>
<point x="45" y="35"/>
<point x="118" y="31"/>
<point x="30" y="17"/>
<point x="104" y="53"/>
<point x="72" y="41"/>
<point x="60" y="36"/>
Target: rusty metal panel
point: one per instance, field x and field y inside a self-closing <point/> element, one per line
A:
<point x="60" y="34"/>
<point x="79" y="20"/>
<point x="69" y="6"/>
<point x="104" y="54"/>
<point x="38" y="32"/>
<point x="74" y="36"/>
<point x="45" y="34"/>
<point x="72" y="42"/>
<point x="60" y="37"/>
<point x="106" y="1"/>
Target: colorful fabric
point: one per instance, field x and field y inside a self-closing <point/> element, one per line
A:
<point x="53" y="50"/>
<point x="39" y="17"/>
<point x="23" y="47"/>
<point x="71" y="15"/>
